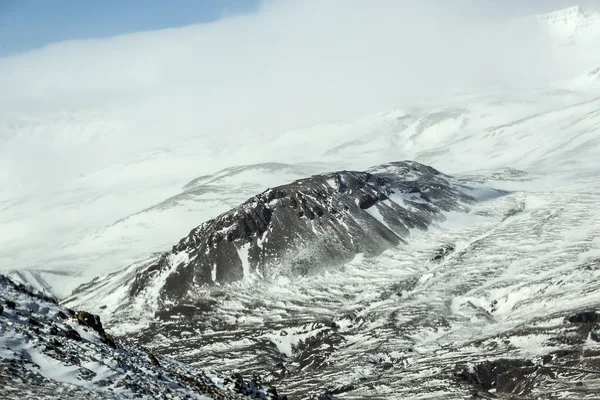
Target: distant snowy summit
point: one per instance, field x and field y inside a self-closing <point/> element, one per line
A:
<point x="564" y="16"/>
<point x="573" y="21"/>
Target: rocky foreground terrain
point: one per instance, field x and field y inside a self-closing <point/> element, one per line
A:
<point x="51" y="352"/>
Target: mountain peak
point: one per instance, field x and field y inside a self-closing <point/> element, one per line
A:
<point x="565" y="16"/>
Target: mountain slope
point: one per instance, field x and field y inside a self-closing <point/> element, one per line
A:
<point x="575" y="29"/>
<point x="51" y="352"/>
<point x="118" y="244"/>
<point x="498" y="291"/>
<point x="299" y="229"/>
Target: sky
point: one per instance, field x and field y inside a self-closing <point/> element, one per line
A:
<point x="243" y="68"/>
<point x="29" y="24"/>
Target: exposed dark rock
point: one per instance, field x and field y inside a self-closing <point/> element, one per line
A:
<point x="109" y="340"/>
<point x="341" y="389"/>
<point x="587" y="317"/>
<point x="54" y="330"/>
<point x="11" y="305"/>
<point x="131" y="367"/>
<point x="61" y="315"/>
<point x="90" y="320"/>
<point x="443" y="252"/>
<point x="93" y="321"/>
<point x="1" y="309"/>
<point x="493" y="374"/>
<point x="53" y="345"/>
<point x="152" y="358"/>
<point x="367" y="201"/>
<point x="72" y="334"/>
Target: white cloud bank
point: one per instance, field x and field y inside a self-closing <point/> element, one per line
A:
<point x="291" y="63"/>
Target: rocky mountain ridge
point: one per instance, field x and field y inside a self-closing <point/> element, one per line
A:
<point x="297" y="229"/>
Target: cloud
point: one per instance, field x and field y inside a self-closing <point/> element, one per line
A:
<point x="292" y="63"/>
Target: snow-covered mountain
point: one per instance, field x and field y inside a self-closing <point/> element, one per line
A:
<point x="107" y="219"/>
<point x="86" y="254"/>
<point x="573" y="22"/>
<point x="472" y="270"/>
<point x="293" y="230"/>
<point x="507" y="289"/>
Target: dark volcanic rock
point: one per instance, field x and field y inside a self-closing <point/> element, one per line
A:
<point x="588" y="317"/>
<point x="491" y="374"/>
<point x="90" y="320"/>
<point x="574" y="369"/>
<point x="298" y="228"/>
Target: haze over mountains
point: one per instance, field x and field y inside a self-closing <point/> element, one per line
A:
<point x="316" y="258"/>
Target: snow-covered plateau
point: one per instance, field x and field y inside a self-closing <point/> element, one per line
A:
<point x="446" y="250"/>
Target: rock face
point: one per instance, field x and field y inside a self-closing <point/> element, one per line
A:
<point x="298" y="228"/>
<point x="44" y="355"/>
<point x="574" y="369"/>
<point x="494" y="374"/>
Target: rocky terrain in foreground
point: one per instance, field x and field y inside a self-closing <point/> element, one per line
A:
<point x="51" y="352"/>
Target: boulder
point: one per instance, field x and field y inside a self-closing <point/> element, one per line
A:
<point x="90" y="320"/>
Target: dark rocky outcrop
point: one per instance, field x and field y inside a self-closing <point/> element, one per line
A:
<point x="93" y="321"/>
<point x="90" y="320"/>
<point x="72" y="334"/>
<point x="569" y="369"/>
<point x="152" y="358"/>
<point x="443" y="252"/>
<point x="496" y="374"/>
<point x="587" y="317"/>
